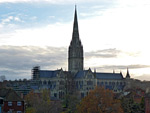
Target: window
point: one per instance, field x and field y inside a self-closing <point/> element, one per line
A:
<point x="98" y="83"/>
<point x="49" y="82"/>
<point x="120" y="83"/>
<point x="82" y="95"/>
<point x="9" y="103"/>
<point x="89" y="82"/>
<point x="18" y="103"/>
<point x="19" y="112"/>
<point x="44" y="82"/>
<point x="55" y="94"/>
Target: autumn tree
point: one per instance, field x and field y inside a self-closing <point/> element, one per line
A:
<point x="40" y="103"/>
<point x="99" y="100"/>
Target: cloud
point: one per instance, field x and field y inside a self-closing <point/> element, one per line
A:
<point x="19" y="60"/>
<point x="122" y="67"/>
<point x="145" y="77"/>
<point x="11" y="19"/>
<point x="8" y="19"/>
<point x="105" y="53"/>
<point x="17" y="19"/>
<point x="52" y="1"/>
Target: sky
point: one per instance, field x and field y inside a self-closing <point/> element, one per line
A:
<point x="114" y="33"/>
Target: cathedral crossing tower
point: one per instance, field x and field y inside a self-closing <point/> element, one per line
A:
<point x="75" y="53"/>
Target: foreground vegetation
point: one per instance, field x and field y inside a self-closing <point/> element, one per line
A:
<point x="98" y="100"/>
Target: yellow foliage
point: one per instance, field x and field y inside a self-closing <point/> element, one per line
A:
<point x="99" y="100"/>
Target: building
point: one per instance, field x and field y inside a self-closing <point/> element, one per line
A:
<point x="12" y="103"/>
<point x="76" y="78"/>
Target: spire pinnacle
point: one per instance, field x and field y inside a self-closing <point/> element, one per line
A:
<point x="127" y="75"/>
<point x="75" y="35"/>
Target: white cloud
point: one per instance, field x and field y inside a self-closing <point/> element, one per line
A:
<point x="54" y="1"/>
<point x="51" y="35"/>
<point x="8" y="19"/>
<point x="33" y="18"/>
<point x="17" y="19"/>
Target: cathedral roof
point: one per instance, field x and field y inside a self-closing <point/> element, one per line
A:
<point x="48" y="74"/>
<point x="81" y="74"/>
<point x="112" y="76"/>
<point x="106" y="76"/>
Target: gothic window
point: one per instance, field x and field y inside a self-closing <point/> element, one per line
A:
<point x="113" y="83"/>
<point x="61" y="83"/>
<point x="82" y="95"/>
<point x="117" y="83"/>
<point x="120" y="83"/>
<point x="40" y="82"/>
<point x="44" y="82"/>
<point x="82" y="82"/>
<point x="89" y="82"/>
<point x="98" y="83"/>
<point x="109" y="83"/>
<point x="55" y="94"/>
<point x="49" y="82"/>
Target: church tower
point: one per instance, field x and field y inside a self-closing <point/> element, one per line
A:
<point x="75" y="53"/>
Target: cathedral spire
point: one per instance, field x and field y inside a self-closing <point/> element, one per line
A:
<point x="75" y="56"/>
<point x="75" y="35"/>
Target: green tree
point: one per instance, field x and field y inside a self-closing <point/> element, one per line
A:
<point x="129" y="106"/>
<point x="70" y="102"/>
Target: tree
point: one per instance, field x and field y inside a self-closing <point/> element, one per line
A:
<point x="99" y="100"/>
<point x="70" y="102"/>
<point x="40" y="103"/>
<point x="129" y="106"/>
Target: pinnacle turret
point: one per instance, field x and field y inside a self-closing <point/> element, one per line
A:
<point x="127" y="75"/>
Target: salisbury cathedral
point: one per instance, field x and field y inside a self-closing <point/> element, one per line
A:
<point x="77" y="79"/>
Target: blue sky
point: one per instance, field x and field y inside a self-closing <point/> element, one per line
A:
<point x="115" y="35"/>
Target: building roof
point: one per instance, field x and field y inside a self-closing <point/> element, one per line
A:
<point x="48" y="73"/>
<point x="81" y="74"/>
<point x="9" y="95"/>
<point x="108" y="76"/>
<point x="112" y="76"/>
